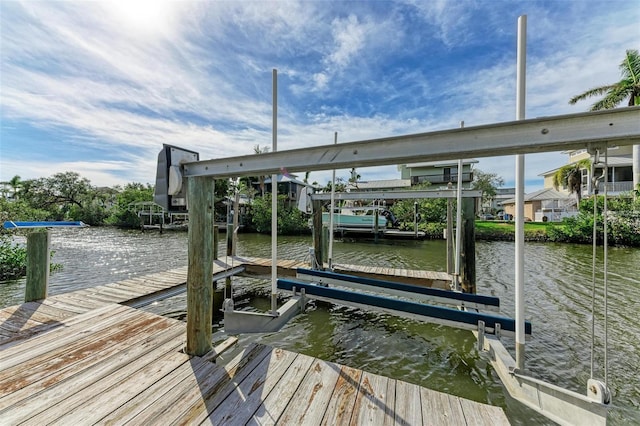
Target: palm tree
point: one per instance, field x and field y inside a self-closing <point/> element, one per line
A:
<point x="258" y="150"/>
<point x="16" y="184"/>
<point x="615" y="94"/>
<point x="571" y="177"/>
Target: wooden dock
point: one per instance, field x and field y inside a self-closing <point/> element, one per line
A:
<point x="80" y="358"/>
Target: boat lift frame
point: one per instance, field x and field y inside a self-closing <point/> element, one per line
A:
<point x="590" y="130"/>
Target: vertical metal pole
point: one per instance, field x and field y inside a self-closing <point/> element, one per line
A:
<point x="456" y="274"/>
<point x="449" y="237"/>
<point x="519" y="237"/>
<point x="236" y="218"/>
<point x="636" y="166"/>
<point x="274" y="200"/>
<point x="415" y="219"/>
<point x="333" y="201"/>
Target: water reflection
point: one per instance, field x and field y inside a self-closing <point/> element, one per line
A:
<point x="557" y="290"/>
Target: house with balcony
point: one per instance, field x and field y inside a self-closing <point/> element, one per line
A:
<point x="619" y="171"/>
<point x="288" y="185"/>
<point x="438" y="173"/>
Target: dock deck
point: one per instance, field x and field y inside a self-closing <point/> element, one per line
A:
<point x="79" y="358"/>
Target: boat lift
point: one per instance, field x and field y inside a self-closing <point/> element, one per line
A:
<point x="590" y="130"/>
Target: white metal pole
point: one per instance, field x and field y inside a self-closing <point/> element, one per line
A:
<point x="456" y="274"/>
<point x="333" y="195"/>
<point x="274" y="200"/>
<point x="519" y="237"/>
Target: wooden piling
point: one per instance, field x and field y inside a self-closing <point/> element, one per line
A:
<point x="468" y="256"/>
<point x="216" y="241"/>
<point x="449" y="236"/>
<point x="376" y="228"/>
<point x="200" y="192"/>
<point x="38" y="263"/>
<point x="317" y="230"/>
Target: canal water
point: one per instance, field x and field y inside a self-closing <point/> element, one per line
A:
<point x="557" y="292"/>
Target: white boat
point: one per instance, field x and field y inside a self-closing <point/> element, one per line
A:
<point x="359" y="217"/>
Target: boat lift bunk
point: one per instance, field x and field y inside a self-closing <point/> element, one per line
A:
<point x="464" y="315"/>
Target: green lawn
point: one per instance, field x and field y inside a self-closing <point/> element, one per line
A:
<point x="499" y="230"/>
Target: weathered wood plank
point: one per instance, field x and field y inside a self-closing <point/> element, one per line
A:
<point x="408" y="410"/>
<point x="128" y="412"/>
<point x="16" y="321"/>
<point x="389" y="418"/>
<point x="79" y="301"/>
<point x="76" y="353"/>
<point x="221" y="348"/>
<point x="55" y="303"/>
<point x="240" y="405"/>
<point x="109" y="395"/>
<point x="22" y="406"/>
<point x="192" y="405"/>
<point x="479" y="414"/>
<point x="31" y="310"/>
<point x="343" y="399"/>
<point x="371" y="405"/>
<point x="272" y="407"/>
<point x="310" y="401"/>
<point x="14" y="354"/>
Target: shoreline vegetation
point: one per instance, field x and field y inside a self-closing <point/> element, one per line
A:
<point x="67" y="196"/>
<point x="13" y="255"/>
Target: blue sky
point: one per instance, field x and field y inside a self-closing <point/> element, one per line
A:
<point x="98" y="87"/>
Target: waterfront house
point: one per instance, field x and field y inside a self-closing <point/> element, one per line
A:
<point x="438" y="173"/>
<point x="619" y="176"/>
<point x="545" y="205"/>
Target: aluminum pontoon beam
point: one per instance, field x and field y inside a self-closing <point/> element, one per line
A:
<point x="432" y="313"/>
<point x="575" y="131"/>
<point x="396" y="195"/>
<point x="396" y="289"/>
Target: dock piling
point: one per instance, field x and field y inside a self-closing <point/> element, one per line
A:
<point x="200" y="270"/>
<point x="38" y="263"/>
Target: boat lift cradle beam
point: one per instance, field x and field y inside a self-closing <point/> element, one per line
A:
<point x="431" y="313"/>
<point x="414" y="292"/>
<point x="573" y="131"/>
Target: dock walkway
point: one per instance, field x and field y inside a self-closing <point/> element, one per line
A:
<point x="78" y="358"/>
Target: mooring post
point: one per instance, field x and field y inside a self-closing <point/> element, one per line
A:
<point x="317" y="231"/>
<point x="325" y="246"/>
<point x="376" y="229"/>
<point x="38" y="261"/>
<point x="449" y="236"/>
<point x="200" y="269"/>
<point x="216" y="241"/>
<point x="468" y="256"/>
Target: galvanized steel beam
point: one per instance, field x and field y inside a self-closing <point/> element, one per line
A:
<point x="601" y="128"/>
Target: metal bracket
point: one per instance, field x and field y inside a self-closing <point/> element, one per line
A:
<point x="497" y="330"/>
<point x="227" y="305"/>
<point x="480" y="336"/>
<point x="303" y="300"/>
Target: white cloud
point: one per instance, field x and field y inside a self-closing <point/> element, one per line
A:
<point x="202" y="79"/>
